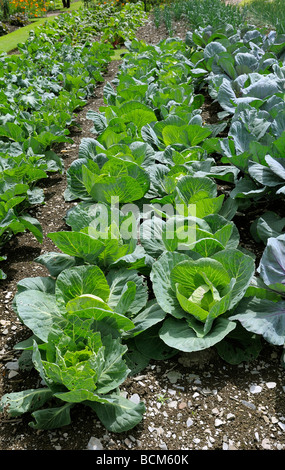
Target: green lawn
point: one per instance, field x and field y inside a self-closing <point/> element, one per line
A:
<point x="11" y="41"/>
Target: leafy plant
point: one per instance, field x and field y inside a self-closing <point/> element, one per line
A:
<point x="41" y="91"/>
<point x="199" y="295"/>
<point x="3" y="29"/>
<point x="77" y="347"/>
<point x="19" y="19"/>
<point x="146" y="282"/>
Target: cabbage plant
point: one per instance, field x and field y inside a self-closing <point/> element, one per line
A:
<point x="77" y="323"/>
<point x="198" y="295"/>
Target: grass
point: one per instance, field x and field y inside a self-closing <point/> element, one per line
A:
<point x="10" y="42"/>
<point x="269" y="12"/>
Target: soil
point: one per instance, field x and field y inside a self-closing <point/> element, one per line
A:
<point x="193" y="401"/>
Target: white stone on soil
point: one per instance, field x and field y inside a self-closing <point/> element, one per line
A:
<point x="94" y="444"/>
<point x="255" y="389"/>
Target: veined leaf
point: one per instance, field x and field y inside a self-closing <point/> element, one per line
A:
<point x="162" y="287"/>
<point x="78" y="244"/>
<point x="119" y="414"/>
<point x="39" y="311"/>
<point x="189" y="136"/>
<point x="177" y="334"/>
<point x="17" y="403"/>
<point x="263" y="317"/>
<point x="80" y="280"/>
<point x="122" y="283"/>
<point x="52" y="418"/>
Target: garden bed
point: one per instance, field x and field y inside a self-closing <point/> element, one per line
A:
<point x="193" y="401"/>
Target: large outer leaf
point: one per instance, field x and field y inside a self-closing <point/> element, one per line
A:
<point x="151" y="315"/>
<point x="150" y="345"/>
<point x="240" y="267"/>
<point x="263" y="88"/>
<point x="15" y="404"/>
<point x="103" y="188"/>
<point x="57" y="262"/>
<point x="118" y="280"/>
<point x="80" y="280"/>
<point x="177" y="334"/>
<point x="119" y="414"/>
<point x="272" y="263"/>
<point x="267" y="226"/>
<point x="193" y="188"/>
<point x="188" y="135"/>
<point x="160" y="277"/>
<point x="76" y="188"/>
<point x="39" y="311"/>
<point x="264" y="175"/>
<point x="151" y="236"/>
<point x="52" y="418"/>
<point x="43" y="284"/>
<point x="263" y="317"/>
<point x="213" y="48"/>
<point x="97" y="216"/>
<point x="277" y="165"/>
<point x="78" y="244"/>
<point x="245" y="63"/>
<point x="104" y="319"/>
<point x="139" y="117"/>
<point x="114" y="371"/>
<point x="239" y="345"/>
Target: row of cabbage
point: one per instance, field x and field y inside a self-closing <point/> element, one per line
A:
<point x="152" y="264"/>
<point x="41" y="88"/>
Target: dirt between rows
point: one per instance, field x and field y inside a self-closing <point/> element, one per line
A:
<point x="193" y="401"/>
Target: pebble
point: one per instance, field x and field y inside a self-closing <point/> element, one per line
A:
<point x="12" y="365"/>
<point x="173" y="376"/>
<point x="128" y="442"/>
<point x="271" y="384"/>
<point x="189" y="422"/>
<point x="160" y="431"/>
<point x="255" y="389"/>
<point x="281" y="425"/>
<point x="218" y="422"/>
<point x="248" y="404"/>
<point x="231" y="445"/>
<point x="266" y="444"/>
<point x="12" y="374"/>
<point x="94" y="444"/>
<point x="230" y="416"/>
<point x="135" y="398"/>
